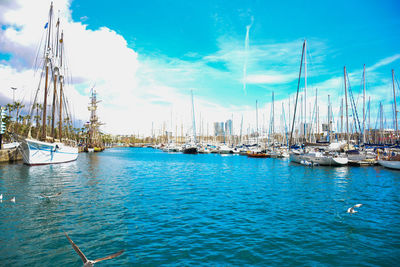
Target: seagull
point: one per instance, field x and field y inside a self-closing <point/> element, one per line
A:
<point x="1" y="197"/>
<point x="352" y="210"/>
<point x="90" y="263"/>
<point x="50" y="196"/>
<point x="13" y="200"/>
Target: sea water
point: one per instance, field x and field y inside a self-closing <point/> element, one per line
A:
<point x="174" y="209"/>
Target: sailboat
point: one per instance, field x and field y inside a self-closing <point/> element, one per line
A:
<point x="392" y="162"/>
<point x="326" y="159"/>
<point x="191" y="147"/>
<point x="94" y="143"/>
<point x="49" y="150"/>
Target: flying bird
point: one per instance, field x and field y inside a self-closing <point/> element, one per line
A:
<point x="89" y="263"/>
<point x="352" y="210"/>
<point x="1" y="197"/>
<point x="13" y="200"/>
<point x="50" y="196"/>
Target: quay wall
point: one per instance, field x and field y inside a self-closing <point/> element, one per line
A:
<point x="10" y="155"/>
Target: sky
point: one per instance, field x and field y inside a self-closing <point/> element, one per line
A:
<point x="145" y="57"/>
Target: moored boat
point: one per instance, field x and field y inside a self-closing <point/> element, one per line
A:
<point x="390" y="162"/>
<point x="35" y="152"/>
<point x="48" y="150"/>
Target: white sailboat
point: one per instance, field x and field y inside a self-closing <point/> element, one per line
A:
<point x="49" y="150"/>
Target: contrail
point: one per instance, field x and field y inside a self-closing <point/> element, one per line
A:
<point x="246" y="49"/>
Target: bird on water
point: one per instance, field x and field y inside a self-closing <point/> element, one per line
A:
<point x="352" y="210"/>
<point x="50" y="196"/>
<point x="89" y="263"/>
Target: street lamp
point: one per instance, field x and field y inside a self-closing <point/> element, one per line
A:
<point x="13" y="88"/>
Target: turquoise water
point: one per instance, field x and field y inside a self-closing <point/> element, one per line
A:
<point x="198" y="210"/>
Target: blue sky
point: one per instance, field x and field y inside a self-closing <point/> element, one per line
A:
<point x="350" y="33"/>
<point x="166" y="48"/>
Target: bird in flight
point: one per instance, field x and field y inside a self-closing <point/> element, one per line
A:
<point x="352" y="210"/>
<point x="89" y="263"/>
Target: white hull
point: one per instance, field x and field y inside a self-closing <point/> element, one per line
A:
<point x="319" y="159"/>
<point x="39" y="153"/>
<point x="390" y="164"/>
<point x="297" y="158"/>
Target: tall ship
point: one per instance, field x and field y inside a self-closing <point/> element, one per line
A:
<point x="51" y="143"/>
<point x="94" y="143"/>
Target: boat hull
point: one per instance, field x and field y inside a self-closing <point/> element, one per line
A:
<point x="320" y="160"/>
<point x="190" y="150"/>
<point x="41" y="153"/>
<point x="395" y="164"/>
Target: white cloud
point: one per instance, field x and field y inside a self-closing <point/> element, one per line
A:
<point x="269" y="78"/>
<point x="383" y="62"/>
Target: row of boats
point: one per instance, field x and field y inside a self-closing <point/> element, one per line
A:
<point x="335" y="154"/>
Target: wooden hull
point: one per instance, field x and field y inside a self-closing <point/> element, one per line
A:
<point x="260" y="155"/>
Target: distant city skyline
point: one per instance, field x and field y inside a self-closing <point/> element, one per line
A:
<point x="144" y="58"/>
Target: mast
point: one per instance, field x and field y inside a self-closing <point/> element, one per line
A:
<point x="55" y="71"/>
<point x="194" y="122"/>
<point x="329" y="118"/>
<point x="53" y="109"/>
<point x="305" y="90"/>
<point x="257" y="121"/>
<point x="395" y="106"/>
<point x="273" y="120"/>
<point x="44" y="134"/>
<point x="61" y="89"/>
<point x="364" y="105"/>
<point x="47" y="59"/>
<point x="241" y="128"/>
<point x="347" y="110"/>
<point x="369" y="118"/>
<point x="297" y="95"/>
<point x="341" y="119"/>
<point x="316" y="114"/>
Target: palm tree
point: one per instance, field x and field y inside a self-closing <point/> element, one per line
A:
<point x="10" y="108"/>
<point x="18" y="106"/>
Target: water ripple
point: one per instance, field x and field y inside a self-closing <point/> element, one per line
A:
<point x="202" y="210"/>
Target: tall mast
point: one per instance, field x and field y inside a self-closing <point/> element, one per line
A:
<point x="341" y="119"/>
<point x="194" y="122"/>
<point x="241" y="128"/>
<point x="347" y="110"/>
<point x="55" y="71"/>
<point x="329" y="118"/>
<point x="364" y="105"/>
<point x="273" y="119"/>
<point x="305" y="90"/>
<point x="61" y="88"/>
<point x="316" y="114"/>
<point x="53" y="109"/>
<point x="297" y="96"/>
<point x="257" y="121"/>
<point x="369" y="118"/>
<point x="395" y="105"/>
<point x="47" y="62"/>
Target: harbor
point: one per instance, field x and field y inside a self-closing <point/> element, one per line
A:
<point x="181" y="209"/>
